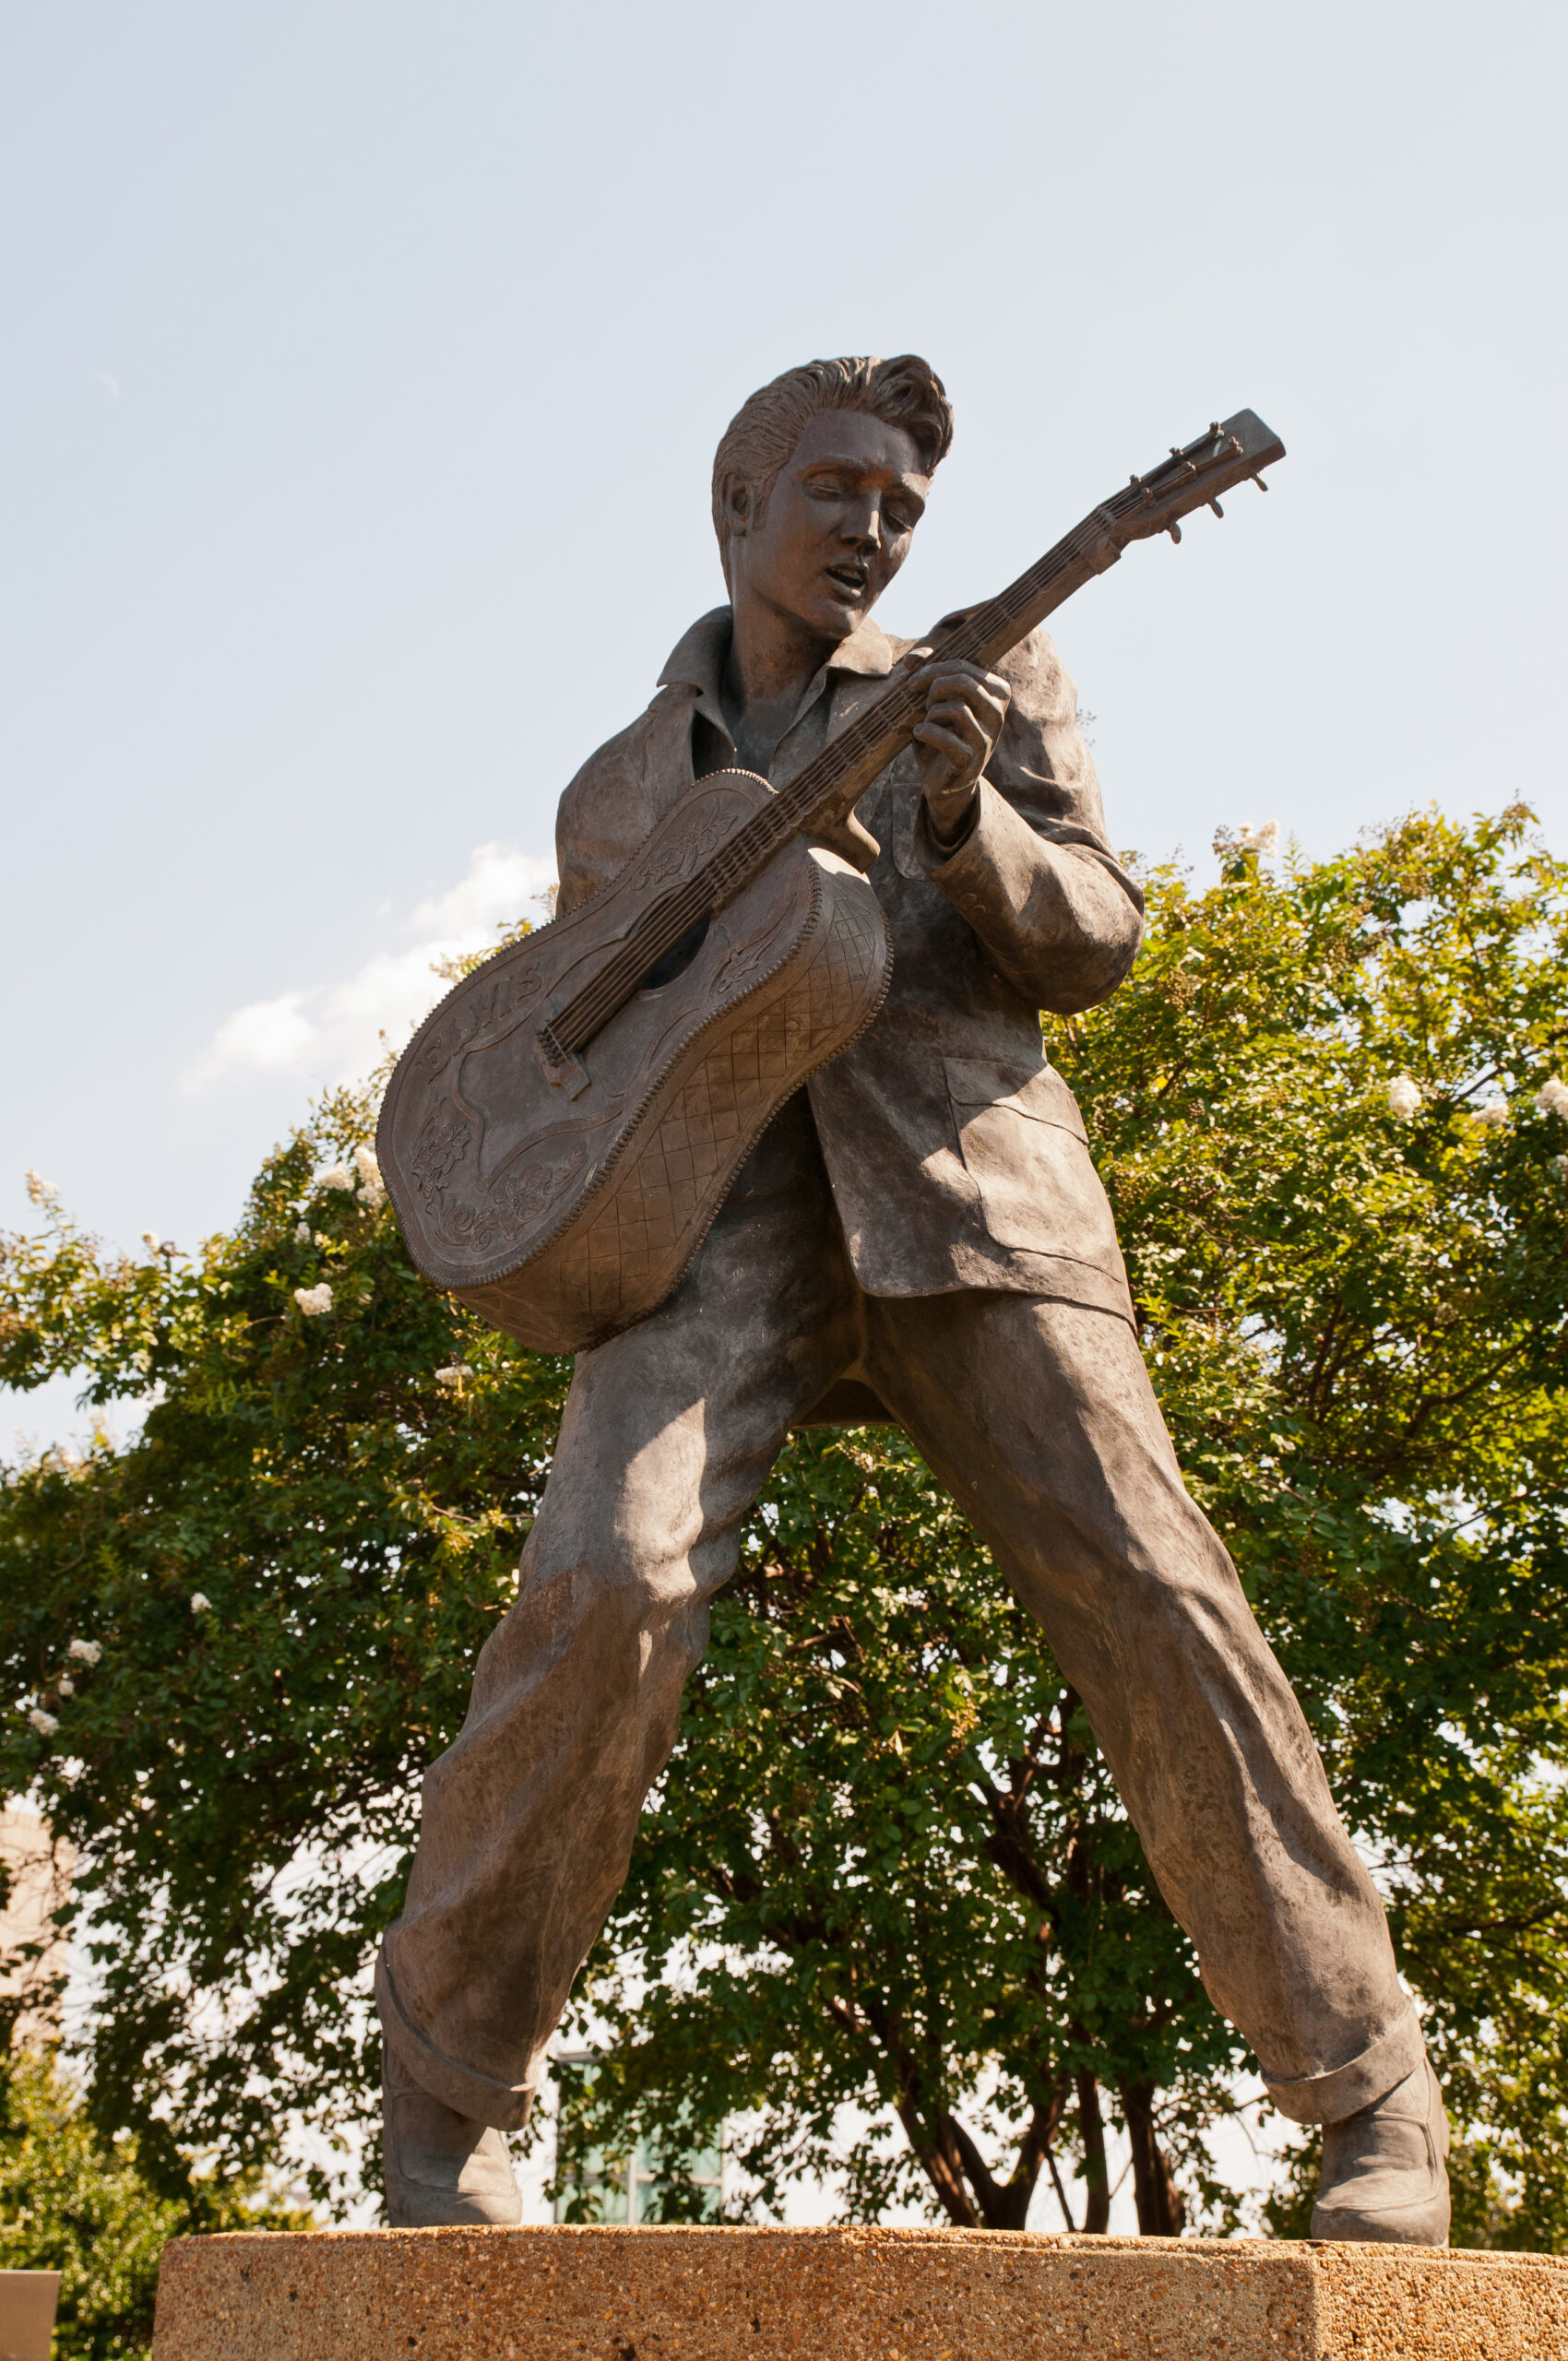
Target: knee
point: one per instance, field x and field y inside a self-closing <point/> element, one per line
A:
<point x="605" y="1577"/>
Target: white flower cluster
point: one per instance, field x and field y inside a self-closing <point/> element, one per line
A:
<point x="373" y="1188"/>
<point x="1263" y="839"/>
<point x="200" y="1603"/>
<point x="454" y="1374"/>
<point x="314" y="1301"/>
<point x="360" y="1171"/>
<point x="151" y="1240"/>
<point x="45" y="1724"/>
<point x="40" y="1191"/>
<point x="86" y="1651"/>
<point x="1404" y="1097"/>
<point x="1494" y="1113"/>
<point x="1552" y="1097"/>
<point x="301" y="1233"/>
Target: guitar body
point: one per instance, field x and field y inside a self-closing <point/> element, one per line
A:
<point x="564" y="1206"/>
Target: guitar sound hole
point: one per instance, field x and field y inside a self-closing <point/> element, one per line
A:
<point x="674" y="962"/>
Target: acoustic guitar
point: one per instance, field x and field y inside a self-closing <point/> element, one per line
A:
<point x="563" y="1127"/>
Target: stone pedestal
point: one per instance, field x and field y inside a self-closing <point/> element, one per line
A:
<point x="715" y="2295"/>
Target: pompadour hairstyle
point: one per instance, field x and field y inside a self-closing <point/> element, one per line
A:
<point x="766" y="431"/>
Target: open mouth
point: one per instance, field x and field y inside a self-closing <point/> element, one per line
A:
<point x="852" y="580"/>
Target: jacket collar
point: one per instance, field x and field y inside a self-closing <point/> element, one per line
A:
<point x="696" y="662"/>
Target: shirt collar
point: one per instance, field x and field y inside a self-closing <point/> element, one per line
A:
<point x="697" y="660"/>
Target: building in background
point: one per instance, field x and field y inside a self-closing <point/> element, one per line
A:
<point x="627" y="2189"/>
<point x="35" y="1883"/>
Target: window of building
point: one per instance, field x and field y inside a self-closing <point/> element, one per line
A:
<point x="630" y="2189"/>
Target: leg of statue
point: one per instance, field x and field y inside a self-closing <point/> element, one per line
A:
<point x="1041" y="1420"/>
<point x="530" y="1817"/>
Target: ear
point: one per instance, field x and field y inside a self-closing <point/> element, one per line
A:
<point x="737" y="504"/>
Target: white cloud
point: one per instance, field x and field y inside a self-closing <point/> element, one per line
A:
<point x="500" y="885"/>
<point x="268" y="1037"/>
<point x="332" y="1032"/>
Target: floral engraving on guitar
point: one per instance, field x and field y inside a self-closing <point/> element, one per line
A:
<point x="443" y="1142"/>
<point x="528" y="1190"/>
<point x="687" y="855"/>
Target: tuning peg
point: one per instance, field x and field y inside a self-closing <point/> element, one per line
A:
<point x="1259" y="484"/>
<point x="1216" y="508"/>
<point x="1174" y="530"/>
<point x="1214" y="426"/>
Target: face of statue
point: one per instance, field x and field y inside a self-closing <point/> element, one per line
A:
<point x="836" y="526"/>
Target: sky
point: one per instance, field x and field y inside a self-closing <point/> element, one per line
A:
<point x="362" y="373"/>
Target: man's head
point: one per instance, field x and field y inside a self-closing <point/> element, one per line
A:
<point x="820" y="481"/>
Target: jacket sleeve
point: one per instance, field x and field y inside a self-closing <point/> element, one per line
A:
<point x="1035" y="875"/>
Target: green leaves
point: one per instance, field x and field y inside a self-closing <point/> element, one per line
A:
<point x="1390" y="1476"/>
<point x="289" y="1572"/>
<point x="74" y="2203"/>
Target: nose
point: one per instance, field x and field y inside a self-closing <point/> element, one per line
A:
<point x="863" y="522"/>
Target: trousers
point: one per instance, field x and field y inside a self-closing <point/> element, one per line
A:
<point x="1039" y="1418"/>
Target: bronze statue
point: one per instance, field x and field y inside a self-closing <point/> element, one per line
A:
<point x="920" y="1236"/>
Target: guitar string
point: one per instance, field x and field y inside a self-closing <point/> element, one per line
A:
<point x="879" y="732"/>
<point x="886" y="725"/>
<point x="890" y="722"/>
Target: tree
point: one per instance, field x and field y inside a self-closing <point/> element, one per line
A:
<point x="241" y="1636"/>
<point x="72" y="2202"/>
<point x="885" y="1864"/>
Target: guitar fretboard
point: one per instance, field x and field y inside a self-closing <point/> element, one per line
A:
<point x="835" y="780"/>
<point x="833" y="783"/>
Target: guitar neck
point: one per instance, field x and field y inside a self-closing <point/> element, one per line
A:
<point x="1193" y="476"/>
<point x="830" y="788"/>
<point x="832" y="784"/>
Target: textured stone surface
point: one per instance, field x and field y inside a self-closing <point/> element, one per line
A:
<point x="701" y="2294"/>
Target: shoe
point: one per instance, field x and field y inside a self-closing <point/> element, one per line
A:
<point x="441" y="2167"/>
<point x="1384" y="2175"/>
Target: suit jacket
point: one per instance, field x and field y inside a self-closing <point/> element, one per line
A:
<point x="957" y="1154"/>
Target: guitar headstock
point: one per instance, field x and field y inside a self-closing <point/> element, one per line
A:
<point x="1194" y="477"/>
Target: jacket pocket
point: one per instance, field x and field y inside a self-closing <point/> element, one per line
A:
<point x="1024" y="1147"/>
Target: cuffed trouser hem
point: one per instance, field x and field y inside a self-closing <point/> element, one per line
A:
<point x="505" y="2105"/>
<point x="1329" y="2098"/>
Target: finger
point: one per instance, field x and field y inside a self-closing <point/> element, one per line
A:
<point x="963" y="722"/>
<point x="947" y="689"/>
<point x="955" y="712"/>
<point x="915" y="656"/>
<point x="955" y="669"/>
<point x="947" y="742"/>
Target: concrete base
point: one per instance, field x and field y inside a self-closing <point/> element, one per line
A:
<point x="702" y="2295"/>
